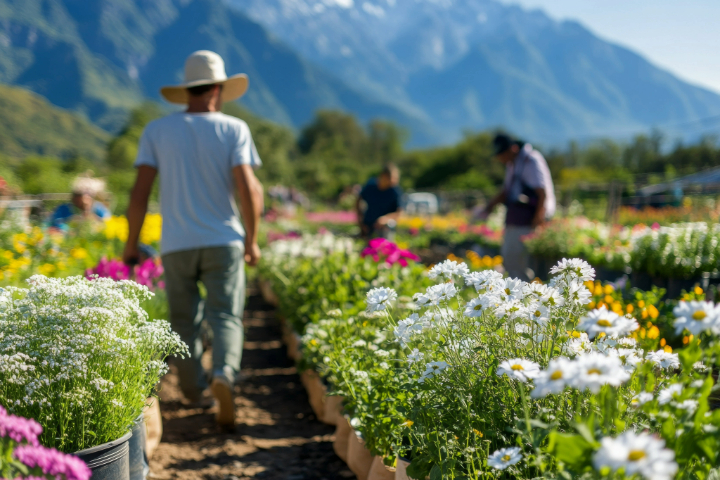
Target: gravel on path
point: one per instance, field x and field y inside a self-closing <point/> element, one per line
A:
<point x="277" y="434"/>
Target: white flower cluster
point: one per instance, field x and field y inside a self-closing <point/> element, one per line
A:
<point x="75" y="345"/>
<point x="308" y="246"/>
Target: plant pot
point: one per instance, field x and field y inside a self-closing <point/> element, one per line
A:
<point x="359" y="458"/>
<point x="153" y="424"/>
<point x="109" y="461"/>
<point x="333" y="410"/>
<point x="340" y="445"/>
<point x="267" y="293"/>
<point x="378" y="470"/>
<point x="316" y="392"/>
<point x="401" y="469"/>
<point x="138" y="460"/>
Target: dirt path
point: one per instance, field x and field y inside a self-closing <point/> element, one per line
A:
<point x="278" y="436"/>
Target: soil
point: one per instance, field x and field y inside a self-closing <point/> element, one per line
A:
<point x="277" y="435"/>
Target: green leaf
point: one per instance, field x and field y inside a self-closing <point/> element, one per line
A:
<point x="436" y="473"/>
<point x="573" y="450"/>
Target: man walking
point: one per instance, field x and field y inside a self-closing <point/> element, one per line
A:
<point x="529" y="195"/>
<point x="382" y="197"/>
<point x="202" y="156"/>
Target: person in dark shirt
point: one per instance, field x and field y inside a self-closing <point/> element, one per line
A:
<point x="381" y="197"/>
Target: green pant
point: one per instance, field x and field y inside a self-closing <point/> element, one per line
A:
<point x="222" y="271"/>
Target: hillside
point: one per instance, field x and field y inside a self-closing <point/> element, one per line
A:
<point x="30" y="125"/>
<point x="477" y="64"/>
<point x="112" y="53"/>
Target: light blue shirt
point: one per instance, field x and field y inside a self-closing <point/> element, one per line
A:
<point x="194" y="154"/>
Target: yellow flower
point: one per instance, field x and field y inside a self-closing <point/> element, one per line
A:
<point x="617" y="307"/>
<point x="668" y="348"/>
<point x="8" y="255"/>
<point x="408" y="423"/>
<point x="653" y="312"/>
<point x="478" y="432"/>
<point x="598" y="291"/>
<point x="609" y="289"/>
<point x="641" y="304"/>
<point x="78" y="253"/>
<point x="698" y="290"/>
<point x="663" y="342"/>
<point x="591" y="305"/>
<point x="46" y="269"/>
<point x="608" y="299"/>
<point x="403" y="245"/>
<point x="629" y="309"/>
<point x="653" y="333"/>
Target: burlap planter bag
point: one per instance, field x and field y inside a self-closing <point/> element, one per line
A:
<point x="378" y="470"/>
<point x="401" y="469"/>
<point x="342" y="432"/>
<point x="316" y="392"/>
<point x="153" y="423"/>
<point x="333" y="410"/>
<point x="359" y="458"/>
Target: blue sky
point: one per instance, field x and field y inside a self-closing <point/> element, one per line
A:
<point x="679" y="35"/>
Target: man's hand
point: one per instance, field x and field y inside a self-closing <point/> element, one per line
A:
<point x="252" y="253"/>
<point x="131" y="254"/>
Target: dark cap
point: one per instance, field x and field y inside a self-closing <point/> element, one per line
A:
<point x="503" y="141"/>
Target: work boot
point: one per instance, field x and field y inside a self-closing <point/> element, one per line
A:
<point x="222" y="390"/>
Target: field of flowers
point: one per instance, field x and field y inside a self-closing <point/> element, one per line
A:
<point x="456" y="372"/>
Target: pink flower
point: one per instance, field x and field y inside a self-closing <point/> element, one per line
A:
<point x="381" y="248"/>
<point x="52" y="462"/>
<point x="19" y="429"/>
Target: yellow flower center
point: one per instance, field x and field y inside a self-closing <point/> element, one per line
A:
<point x="517" y="366"/>
<point x="556" y="375"/>
<point x="537" y="313"/>
<point x="636" y="455"/>
<point x="506" y="458"/>
<point x="594" y="370"/>
<point x="478" y="307"/>
<point x="604" y="323"/>
<point x="699" y="315"/>
<point x="507" y="291"/>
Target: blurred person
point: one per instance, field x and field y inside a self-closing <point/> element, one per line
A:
<point x="381" y="196"/>
<point x="83" y="203"/>
<point x="202" y="157"/>
<point x="529" y="195"/>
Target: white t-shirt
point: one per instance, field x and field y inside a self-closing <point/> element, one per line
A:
<point x="194" y="154"/>
<point x="535" y="174"/>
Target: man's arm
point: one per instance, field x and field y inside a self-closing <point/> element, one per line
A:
<point x="539" y="217"/>
<point x="137" y="209"/>
<point x="498" y="199"/>
<point x="250" y="191"/>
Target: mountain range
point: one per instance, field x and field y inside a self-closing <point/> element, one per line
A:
<point x="436" y="67"/>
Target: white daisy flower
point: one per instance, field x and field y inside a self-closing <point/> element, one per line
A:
<point x="575" y="268"/>
<point x="512" y="309"/>
<point x="448" y="269"/>
<point x="504" y="458"/>
<point x="486" y="280"/>
<point x="539" y="313"/>
<point x="577" y="293"/>
<point x="559" y="374"/>
<point x="578" y="344"/>
<point x="595" y="370"/>
<point x="477" y="306"/>
<point x="380" y="299"/>
<point x="519" y="369"/>
<point x="664" y="359"/>
<point x="627" y="342"/>
<point x="608" y="322"/>
<point x="637" y="454"/>
<point x="695" y="317"/>
<point x="441" y="293"/>
<point x="415" y="356"/>
<point x="689" y="405"/>
<point x="666" y="395"/>
<point x="641" y="399"/>
<point x="432" y="369"/>
<point x="421" y="300"/>
<point x="629" y="358"/>
<point x="512" y="289"/>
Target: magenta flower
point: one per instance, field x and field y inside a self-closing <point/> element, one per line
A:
<point x="19" y="429"/>
<point x="380" y="248"/>
<point x="52" y="462"/>
<point x="147" y="273"/>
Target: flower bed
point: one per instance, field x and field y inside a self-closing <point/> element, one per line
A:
<point x="483" y="376"/>
<point x="81" y="357"/>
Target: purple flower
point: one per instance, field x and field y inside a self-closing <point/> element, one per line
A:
<point x="52" y="462"/>
<point x="19" y="429"/>
<point x="31" y="477"/>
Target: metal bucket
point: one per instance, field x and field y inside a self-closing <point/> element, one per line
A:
<point x="109" y="461"/>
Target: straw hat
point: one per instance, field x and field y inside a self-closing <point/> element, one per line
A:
<point x="206" y="68"/>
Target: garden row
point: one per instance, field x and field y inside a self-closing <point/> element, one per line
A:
<point x="453" y="373"/>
